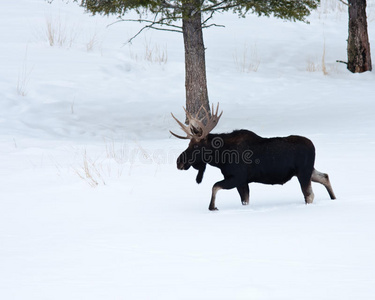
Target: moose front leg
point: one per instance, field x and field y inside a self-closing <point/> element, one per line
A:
<point x="200" y="174"/>
<point x="215" y="189"/>
<point x="244" y="192"/>
<point x="225" y="184"/>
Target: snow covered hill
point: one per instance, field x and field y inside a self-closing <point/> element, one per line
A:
<point x="92" y="205"/>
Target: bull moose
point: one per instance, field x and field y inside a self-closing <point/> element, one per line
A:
<point x="244" y="157"/>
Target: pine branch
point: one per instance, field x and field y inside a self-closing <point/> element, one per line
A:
<point x="210" y="8"/>
<point x="166" y="4"/>
<point x="218" y="7"/>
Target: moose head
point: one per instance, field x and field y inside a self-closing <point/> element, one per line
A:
<point x="197" y="131"/>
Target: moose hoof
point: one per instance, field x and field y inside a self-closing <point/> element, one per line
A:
<point x="213" y="209"/>
<point x="245" y="203"/>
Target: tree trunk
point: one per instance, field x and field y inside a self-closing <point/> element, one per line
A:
<point x="195" y="64"/>
<point x="359" y="57"/>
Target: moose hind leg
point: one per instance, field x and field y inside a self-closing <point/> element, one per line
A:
<point x="244" y="192"/>
<point x="306" y="190"/>
<point x="323" y="178"/>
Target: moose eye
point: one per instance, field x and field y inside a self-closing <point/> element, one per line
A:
<point x="195" y="146"/>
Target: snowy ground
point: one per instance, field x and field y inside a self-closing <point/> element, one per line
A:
<point x="92" y="205"/>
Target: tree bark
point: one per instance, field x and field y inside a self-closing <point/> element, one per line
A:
<point x="195" y="63"/>
<point x="359" y="57"/>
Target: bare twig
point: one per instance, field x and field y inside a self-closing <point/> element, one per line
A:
<point x="343" y="2"/>
<point x="341" y="61"/>
<point x="212" y="25"/>
<point x="152" y="26"/>
<point x="210" y="17"/>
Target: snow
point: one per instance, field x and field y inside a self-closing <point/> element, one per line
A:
<point x="92" y="204"/>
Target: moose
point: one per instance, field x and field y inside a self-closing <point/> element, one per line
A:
<point x="244" y="157"/>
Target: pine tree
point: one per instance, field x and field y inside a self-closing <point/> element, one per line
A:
<point x="195" y="15"/>
<point x="359" y="57"/>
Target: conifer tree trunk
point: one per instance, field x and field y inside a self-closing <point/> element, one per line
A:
<point x="359" y="57"/>
<point x="195" y="63"/>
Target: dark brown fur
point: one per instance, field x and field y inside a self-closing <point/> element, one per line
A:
<point x="244" y="157"/>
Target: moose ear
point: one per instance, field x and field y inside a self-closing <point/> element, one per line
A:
<point x="200" y="174"/>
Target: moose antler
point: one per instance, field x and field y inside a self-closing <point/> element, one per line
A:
<point x="196" y="129"/>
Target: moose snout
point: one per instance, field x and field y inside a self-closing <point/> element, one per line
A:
<point x="182" y="162"/>
<point x="182" y="166"/>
